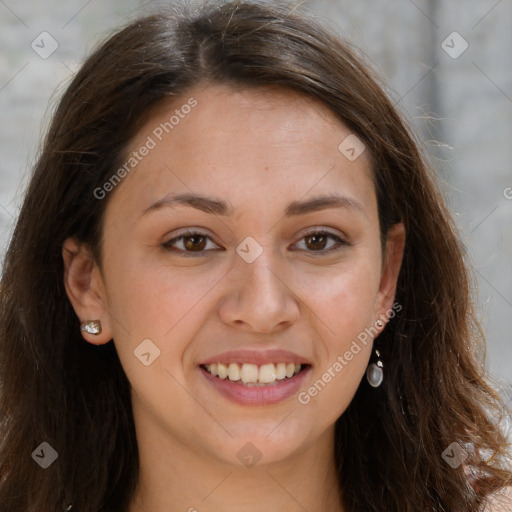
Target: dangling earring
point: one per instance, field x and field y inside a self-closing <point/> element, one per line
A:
<point x="375" y="372"/>
<point x="92" y="327"/>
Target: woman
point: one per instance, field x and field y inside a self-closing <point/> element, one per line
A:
<point x="234" y="284"/>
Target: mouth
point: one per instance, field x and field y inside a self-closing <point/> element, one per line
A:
<point x="254" y="375"/>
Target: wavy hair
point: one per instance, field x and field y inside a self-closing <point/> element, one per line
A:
<point x="57" y="388"/>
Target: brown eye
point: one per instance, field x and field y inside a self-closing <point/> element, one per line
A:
<point x="191" y="242"/>
<point x="195" y="242"/>
<point x="317" y="241"/>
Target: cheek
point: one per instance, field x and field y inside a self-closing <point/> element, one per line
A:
<point x="345" y="315"/>
<point x="153" y="298"/>
<point x="344" y="297"/>
<point x="166" y="305"/>
<point x="343" y="307"/>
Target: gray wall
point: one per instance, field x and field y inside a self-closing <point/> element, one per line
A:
<point x="467" y="97"/>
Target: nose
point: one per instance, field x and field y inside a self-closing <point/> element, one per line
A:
<point x="259" y="297"/>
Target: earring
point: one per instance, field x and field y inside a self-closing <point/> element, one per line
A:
<point x="92" y="327"/>
<point x="375" y="372"/>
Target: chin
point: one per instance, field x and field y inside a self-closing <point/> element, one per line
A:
<point x="268" y="443"/>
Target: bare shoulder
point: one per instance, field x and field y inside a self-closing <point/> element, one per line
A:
<point x="501" y="501"/>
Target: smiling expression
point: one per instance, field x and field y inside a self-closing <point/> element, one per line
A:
<point x="246" y="247"/>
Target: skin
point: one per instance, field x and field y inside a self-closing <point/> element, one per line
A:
<point x="259" y="150"/>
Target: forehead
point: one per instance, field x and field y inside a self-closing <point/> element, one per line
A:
<point x="244" y="144"/>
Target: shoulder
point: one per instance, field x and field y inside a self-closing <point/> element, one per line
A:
<point x="500" y="501"/>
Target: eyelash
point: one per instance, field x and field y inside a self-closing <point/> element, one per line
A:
<point x="189" y="234"/>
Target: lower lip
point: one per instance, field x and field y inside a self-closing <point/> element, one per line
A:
<point x="257" y="395"/>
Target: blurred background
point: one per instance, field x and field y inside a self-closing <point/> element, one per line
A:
<point x="448" y="68"/>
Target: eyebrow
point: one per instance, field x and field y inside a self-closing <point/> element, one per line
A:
<point x="219" y="207"/>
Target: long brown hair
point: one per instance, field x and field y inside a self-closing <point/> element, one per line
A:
<point x="56" y="388"/>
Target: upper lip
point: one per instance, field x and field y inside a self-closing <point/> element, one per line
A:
<point x="257" y="357"/>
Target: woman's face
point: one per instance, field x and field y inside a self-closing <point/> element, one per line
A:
<point x="271" y="258"/>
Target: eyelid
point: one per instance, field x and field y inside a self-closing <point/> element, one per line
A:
<point x="319" y="229"/>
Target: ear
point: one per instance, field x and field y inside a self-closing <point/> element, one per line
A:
<point x="391" y="265"/>
<point x="85" y="289"/>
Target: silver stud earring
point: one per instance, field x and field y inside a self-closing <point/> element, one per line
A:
<point x="375" y="372"/>
<point x="92" y="327"/>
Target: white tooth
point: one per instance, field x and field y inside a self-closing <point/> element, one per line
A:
<point x="290" y="370"/>
<point x="249" y="373"/>
<point x="297" y="368"/>
<point x="213" y="369"/>
<point x="280" y="370"/>
<point x="267" y="373"/>
<point x="223" y="370"/>
<point x="234" y="371"/>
